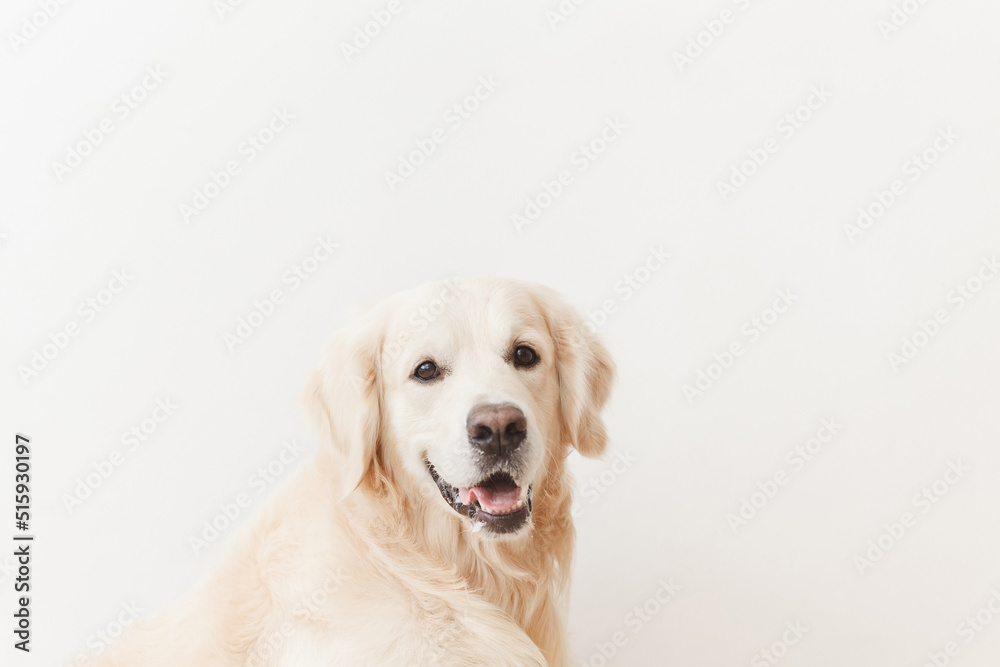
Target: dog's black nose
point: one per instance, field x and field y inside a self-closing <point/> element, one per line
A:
<point x="496" y="429"/>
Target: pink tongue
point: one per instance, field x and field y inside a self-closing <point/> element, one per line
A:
<point x="496" y="499"/>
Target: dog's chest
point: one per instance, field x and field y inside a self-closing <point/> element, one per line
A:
<point x="388" y="638"/>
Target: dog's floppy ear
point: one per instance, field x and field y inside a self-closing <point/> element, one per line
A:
<point x="344" y="397"/>
<point x="586" y="373"/>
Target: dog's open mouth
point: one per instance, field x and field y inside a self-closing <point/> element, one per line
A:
<point x="496" y="503"/>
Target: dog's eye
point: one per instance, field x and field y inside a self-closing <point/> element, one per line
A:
<point x="427" y="370"/>
<point x="524" y="357"/>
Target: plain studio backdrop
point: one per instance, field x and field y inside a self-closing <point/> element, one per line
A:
<point x="780" y="216"/>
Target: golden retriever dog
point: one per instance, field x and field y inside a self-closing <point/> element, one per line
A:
<point x="433" y="527"/>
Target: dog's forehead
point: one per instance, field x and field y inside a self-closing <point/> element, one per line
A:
<point x="486" y="311"/>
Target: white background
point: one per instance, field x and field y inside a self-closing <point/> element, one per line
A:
<point x="656" y="185"/>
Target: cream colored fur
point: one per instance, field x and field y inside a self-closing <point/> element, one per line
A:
<point x="357" y="559"/>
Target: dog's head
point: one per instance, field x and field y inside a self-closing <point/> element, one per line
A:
<point x="471" y="387"/>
